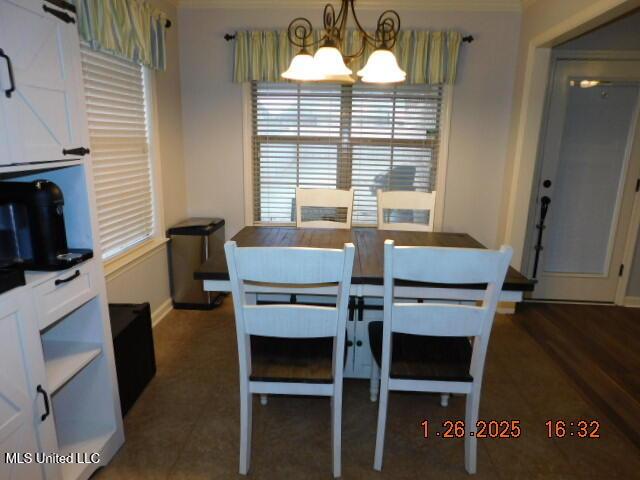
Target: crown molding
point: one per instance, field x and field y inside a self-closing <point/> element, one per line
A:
<point x="432" y="5"/>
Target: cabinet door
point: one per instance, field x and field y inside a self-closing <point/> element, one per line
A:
<point x="41" y="117"/>
<point x="21" y="406"/>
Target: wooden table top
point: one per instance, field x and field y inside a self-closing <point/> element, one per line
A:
<point x="369" y="242"/>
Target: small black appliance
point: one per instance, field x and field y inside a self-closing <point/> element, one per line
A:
<point x="32" y="230"/>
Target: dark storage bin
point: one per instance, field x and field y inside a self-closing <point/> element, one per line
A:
<point x="133" y="348"/>
<point x="191" y="243"/>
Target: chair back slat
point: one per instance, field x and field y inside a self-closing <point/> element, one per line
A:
<point x="287" y="265"/>
<point x="446" y="265"/>
<point x="437" y="320"/>
<point x="291" y="321"/>
<point x="323" y="198"/>
<point x="406" y="200"/>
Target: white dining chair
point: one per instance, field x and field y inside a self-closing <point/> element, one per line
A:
<point x="406" y="200"/>
<point x="289" y="349"/>
<point x="436" y="347"/>
<point x="327" y="198"/>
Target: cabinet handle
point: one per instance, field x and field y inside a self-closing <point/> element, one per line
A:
<point x="76" y="151"/>
<point x="60" y="281"/>
<point x="359" y="343"/>
<point x="349" y="343"/>
<point x="65" y="17"/>
<point x="12" y="87"/>
<point x="45" y="396"/>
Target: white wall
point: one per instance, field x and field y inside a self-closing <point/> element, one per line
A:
<point x="621" y="34"/>
<point x="212" y="110"/>
<point x="146" y="279"/>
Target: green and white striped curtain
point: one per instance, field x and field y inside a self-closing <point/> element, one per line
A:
<point x="130" y="29"/>
<point x="427" y="57"/>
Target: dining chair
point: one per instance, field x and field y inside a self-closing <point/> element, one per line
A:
<point x="406" y="200"/>
<point x="289" y="349"/>
<point x="327" y="199"/>
<point x="436" y="347"/>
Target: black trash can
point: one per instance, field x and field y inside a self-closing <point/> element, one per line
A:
<point x="191" y="243"/>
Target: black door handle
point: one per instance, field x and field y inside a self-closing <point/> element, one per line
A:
<point x="12" y="87"/>
<point x="544" y="209"/>
<point x="45" y="396"/>
<point x="60" y="281"/>
<point x="76" y="151"/>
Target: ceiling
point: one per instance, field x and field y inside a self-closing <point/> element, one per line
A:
<point x="448" y="5"/>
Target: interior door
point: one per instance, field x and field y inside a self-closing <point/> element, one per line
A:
<point x="21" y="406"/>
<point x="588" y="180"/>
<point x="40" y="103"/>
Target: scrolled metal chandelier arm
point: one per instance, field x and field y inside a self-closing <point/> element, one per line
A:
<point x="300" y="30"/>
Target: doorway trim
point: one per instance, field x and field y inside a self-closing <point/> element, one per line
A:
<point x="634" y="229"/>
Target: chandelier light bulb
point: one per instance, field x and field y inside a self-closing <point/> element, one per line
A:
<point x="382" y="67"/>
<point x="329" y="63"/>
<point x="302" y="68"/>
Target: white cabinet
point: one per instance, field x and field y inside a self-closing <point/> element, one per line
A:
<point x="40" y="114"/>
<point x="26" y="421"/>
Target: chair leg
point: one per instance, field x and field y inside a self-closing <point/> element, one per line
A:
<point x="245" y="432"/>
<point x="444" y="399"/>
<point x="382" y="423"/>
<point x="263" y="399"/>
<point x="374" y="382"/>
<point x="336" y="433"/>
<point x="471" y="442"/>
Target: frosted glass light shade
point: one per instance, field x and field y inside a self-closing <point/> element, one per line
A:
<point x="302" y="68"/>
<point x="329" y="63"/>
<point x="382" y="67"/>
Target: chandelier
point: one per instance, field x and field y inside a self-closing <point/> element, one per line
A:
<point x="329" y="64"/>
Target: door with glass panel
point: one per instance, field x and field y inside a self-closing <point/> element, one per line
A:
<point x="590" y="164"/>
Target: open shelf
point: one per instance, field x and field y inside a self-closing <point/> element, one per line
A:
<point x="63" y="360"/>
<point x="81" y="437"/>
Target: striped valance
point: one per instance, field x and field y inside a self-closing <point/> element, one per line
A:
<point x="131" y="29"/>
<point x="427" y="57"/>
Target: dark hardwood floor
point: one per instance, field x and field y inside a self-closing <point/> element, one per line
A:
<point x="598" y="347"/>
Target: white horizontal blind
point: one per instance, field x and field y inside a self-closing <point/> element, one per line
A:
<point x="117" y="115"/>
<point x="332" y="136"/>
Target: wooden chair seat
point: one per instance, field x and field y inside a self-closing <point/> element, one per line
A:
<point x="420" y="357"/>
<point x="303" y="360"/>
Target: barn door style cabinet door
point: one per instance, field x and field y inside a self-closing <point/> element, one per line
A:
<point x="26" y="421"/>
<point x="40" y="94"/>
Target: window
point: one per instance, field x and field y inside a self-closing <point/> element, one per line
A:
<point x="333" y="136"/>
<point x="118" y="131"/>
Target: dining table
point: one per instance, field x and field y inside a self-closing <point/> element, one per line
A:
<point x="367" y="282"/>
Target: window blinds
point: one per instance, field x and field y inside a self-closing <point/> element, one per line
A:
<point x="116" y="111"/>
<point x="332" y="136"/>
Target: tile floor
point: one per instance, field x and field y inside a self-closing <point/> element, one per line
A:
<point x="185" y="425"/>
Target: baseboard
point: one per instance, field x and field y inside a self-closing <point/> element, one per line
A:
<point x="161" y="312"/>
<point x="633" y="302"/>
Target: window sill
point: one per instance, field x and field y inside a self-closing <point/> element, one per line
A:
<point x="124" y="262"/>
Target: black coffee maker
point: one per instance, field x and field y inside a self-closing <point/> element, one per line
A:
<point x="32" y="230"/>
